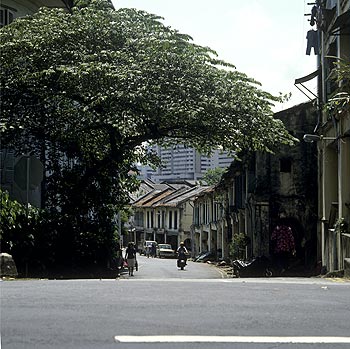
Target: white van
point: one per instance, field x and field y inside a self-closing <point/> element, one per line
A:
<point x="147" y="245"/>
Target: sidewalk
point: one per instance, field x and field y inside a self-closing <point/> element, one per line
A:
<point x="296" y="272"/>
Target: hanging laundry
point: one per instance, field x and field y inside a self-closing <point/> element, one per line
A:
<point x="314" y="11"/>
<point x="312" y="41"/>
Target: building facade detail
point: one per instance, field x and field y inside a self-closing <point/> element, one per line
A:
<point x="262" y="191"/>
<point x="10" y="163"/>
<point x="165" y="214"/>
<point x="332" y="135"/>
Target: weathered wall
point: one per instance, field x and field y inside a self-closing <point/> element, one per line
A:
<point x="287" y="182"/>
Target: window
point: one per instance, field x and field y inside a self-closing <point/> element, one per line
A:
<point x="148" y="220"/>
<point x="175" y="219"/>
<point x="159" y="219"/>
<point x="170" y="219"/>
<point x="139" y="218"/>
<point x="163" y="219"/>
<point x="239" y="192"/>
<point x="6" y="16"/>
<point x="196" y="215"/>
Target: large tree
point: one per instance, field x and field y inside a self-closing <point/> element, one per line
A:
<point x="85" y="90"/>
<point x="212" y="176"/>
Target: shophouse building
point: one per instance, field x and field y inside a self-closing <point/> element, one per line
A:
<point x="264" y="190"/>
<point x="330" y="21"/>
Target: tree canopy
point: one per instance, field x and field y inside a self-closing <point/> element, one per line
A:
<point x="97" y="83"/>
<point x="85" y="90"/>
<point x="339" y="102"/>
<point x="213" y="175"/>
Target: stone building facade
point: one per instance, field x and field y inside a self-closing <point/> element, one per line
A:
<point x="264" y="190"/>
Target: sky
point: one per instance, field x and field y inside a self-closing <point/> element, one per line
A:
<point x="265" y="39"/>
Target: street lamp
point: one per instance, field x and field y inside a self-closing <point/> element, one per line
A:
<point x="309" y="138"/>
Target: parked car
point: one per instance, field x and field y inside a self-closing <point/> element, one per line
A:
<point x="165" y="251"/>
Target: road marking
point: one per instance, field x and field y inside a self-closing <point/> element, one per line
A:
<point x="295" y="281"/>
<point x="231" y="339"/>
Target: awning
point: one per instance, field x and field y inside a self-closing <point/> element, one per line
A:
<point x="307" y="77"/>
<point x="304" y="79"/>
<point x="341" y="25"/>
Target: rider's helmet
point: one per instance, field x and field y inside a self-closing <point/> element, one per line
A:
<point x="182" y="243"/>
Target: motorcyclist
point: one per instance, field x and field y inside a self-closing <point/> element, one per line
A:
<point x="182" y="252"/>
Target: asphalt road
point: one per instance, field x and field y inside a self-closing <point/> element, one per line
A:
<point x="155" y="268"/>
<point x="163" y="301"/>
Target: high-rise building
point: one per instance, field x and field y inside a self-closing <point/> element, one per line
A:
<point x="181" y="162"/>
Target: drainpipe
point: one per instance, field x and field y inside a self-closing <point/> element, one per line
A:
<point x="323" y="219"/>
<point x="192" y="230"/>
<point x="209" y="239"/>
<point x="209" y="226"/>
<point x="341" y="150"/>
<point x="192" y="241"/>
<point x="246" y="210"/>
<point x="120" y="229"/>
<point x="340" y="194"/>
<point x="222" y="236"/>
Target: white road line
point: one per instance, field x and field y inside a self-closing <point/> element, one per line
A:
<point x="294" y="281"/>
<point x="231" y="339"/>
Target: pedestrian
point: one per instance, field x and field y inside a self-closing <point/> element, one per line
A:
<point x="283" y="245"/>
<point x="153" y="250"/>
<point x="130" y="256"/>
<point x="148" y="250"/>
<point x="119" y="259"/>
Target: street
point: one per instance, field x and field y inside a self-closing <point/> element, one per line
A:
<point x="163" y="301"/>
<point x="155" y="268"/>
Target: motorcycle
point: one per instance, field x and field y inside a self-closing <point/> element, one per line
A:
<point x="257" y="267"/>
<point x="205" y="257"/>
<point x="181" y="261"/>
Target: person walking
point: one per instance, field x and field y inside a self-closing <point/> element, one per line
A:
<point x="130" y="256"/>
<point x="118" y="259"/>
<point x="283" y="245"/>
<point x="153" y="250"/>
<point x="148" y="250"/>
